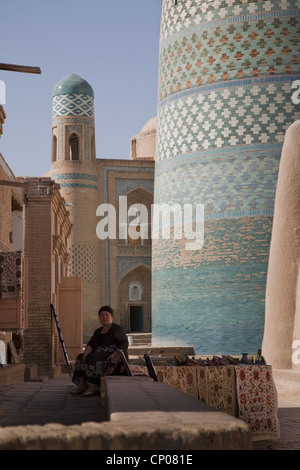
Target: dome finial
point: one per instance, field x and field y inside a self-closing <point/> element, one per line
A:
<point x="73" y="84"/>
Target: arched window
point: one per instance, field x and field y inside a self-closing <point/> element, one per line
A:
<point x="74" y="147"/>
<point x="54" y="148"/>
<point x="135" y="291"/>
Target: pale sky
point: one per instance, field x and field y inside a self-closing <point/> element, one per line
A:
<point x="113" y="44"/>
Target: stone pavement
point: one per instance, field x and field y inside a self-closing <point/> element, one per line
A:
<point x="46" y="402"/>
<point x="50" y="401"/>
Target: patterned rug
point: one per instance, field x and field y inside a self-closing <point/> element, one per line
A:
<point x="257" y="399"/>
<point x="10" y="275"/>
<point x="246" y="392"/>
<point x="181" y="377"/>
<point x="217" y="387"/>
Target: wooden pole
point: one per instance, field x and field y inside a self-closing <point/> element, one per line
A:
<point x="20" y="68"/>
<point x="16" y="184"/>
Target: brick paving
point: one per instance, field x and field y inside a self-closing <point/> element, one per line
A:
<point x="50" y="401"/>
<point x="46" y="402"/>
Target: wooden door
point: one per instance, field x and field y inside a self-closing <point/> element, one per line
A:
<point x="70" y="316"/>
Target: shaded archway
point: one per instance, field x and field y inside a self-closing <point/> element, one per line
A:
<point x="74" y="147"/>
<point x="135" y="310"/>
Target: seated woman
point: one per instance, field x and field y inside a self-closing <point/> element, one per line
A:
<point x="101" y="347"/>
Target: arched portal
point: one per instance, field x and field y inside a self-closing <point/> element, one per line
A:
<point x="135" y="299"/>
<point x="137" y="218"/>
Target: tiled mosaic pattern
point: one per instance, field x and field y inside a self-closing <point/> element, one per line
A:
<point x="194" y="15"/>
<point x="232" y="184"/>
<point x="223" y="314"/>
<point x="124" y="186"/>
<point x="228" y="242"/>
<point x="85" y="262"/>
<point x="224" y="104"/>
<point x="76" y="180"/>
<point x="247" y="46"/>
<point x="219" y="317"/>
<point x="124" y="264"/>
<point x="73" y="105"/>
<point x="241" y="114"/>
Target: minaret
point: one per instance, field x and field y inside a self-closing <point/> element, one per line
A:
<point x="74" y="168"/>
<point x="226" y="70"/>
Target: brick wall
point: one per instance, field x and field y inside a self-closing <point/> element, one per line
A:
<point x="40" y="339"/>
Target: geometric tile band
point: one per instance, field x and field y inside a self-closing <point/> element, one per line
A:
<point x="195" y="13"/>
<point x="229" y="183"/>
<point x="231" y="84"/>
<point x="242" y="115"/>
<point x="235" y="47"/>
<point x="124" y="186"/>
<point x="76" y="176"/>
<point x="226" y="242"/>
<point x="73" y="105"/>
<point x="78" y="185"/>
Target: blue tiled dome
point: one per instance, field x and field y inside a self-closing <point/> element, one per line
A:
<point x="73" y="84"/>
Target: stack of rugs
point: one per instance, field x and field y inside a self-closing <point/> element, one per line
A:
<point x="246" y="391"/>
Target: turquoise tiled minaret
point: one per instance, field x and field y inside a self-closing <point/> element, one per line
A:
<point x="74" y="168"/>
<point x="73" y="113"/>
<point x="226" y="70"/>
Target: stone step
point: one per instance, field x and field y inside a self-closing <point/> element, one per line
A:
<point x="139" y="338"/>
<point x="165" y="411"/>
<point x="12" y="373"/>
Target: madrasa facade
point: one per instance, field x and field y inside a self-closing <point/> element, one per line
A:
<point x="115" y="269"/>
